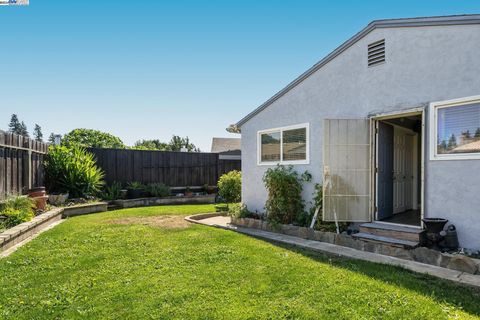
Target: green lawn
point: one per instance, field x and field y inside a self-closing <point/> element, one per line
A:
<point x="132" y="264"/>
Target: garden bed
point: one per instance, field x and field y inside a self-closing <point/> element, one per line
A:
<point x="17" y="234"/>
<point x="424" y="255"/>
<point x="145" y="202"/>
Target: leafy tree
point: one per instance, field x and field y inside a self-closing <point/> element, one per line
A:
<point x="477" y="133"/>
<point x="150" y="145"/>
<point x="89" y="138"/>
<point x="452" y="142"/>
<point x="37" y="133"/>
<point x="177" y="143"/>
<point x="14" y="126"/>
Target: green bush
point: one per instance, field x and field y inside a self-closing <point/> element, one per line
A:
<point x="157" y="190"/>
<point x="284" y="187"/>
<point x="113" y="191"/>
<point x="135" y="185"/>
<point x="238" y="210"/>
<point x="230" y="186"/>
<point x="72" y="170"/>
<point x="16" y="210"/>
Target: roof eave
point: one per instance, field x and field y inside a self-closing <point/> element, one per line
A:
<point x="387" y="23"/>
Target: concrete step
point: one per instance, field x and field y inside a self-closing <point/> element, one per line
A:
<point x="394" y="231"/>
<point x="387" y="240"/>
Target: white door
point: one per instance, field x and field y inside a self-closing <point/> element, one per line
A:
<point x="346" y="170"/>
<point x="402" y="170"/>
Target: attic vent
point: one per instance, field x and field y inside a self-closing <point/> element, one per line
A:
<point x="376" y="53"/>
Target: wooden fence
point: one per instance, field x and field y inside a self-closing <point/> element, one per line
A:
<point x="21" y="164"/>
<point x="175" y="169"/>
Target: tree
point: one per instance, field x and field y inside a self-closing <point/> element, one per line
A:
<point x="37" y="133"/>
<point x="150" y="145"/>
<point x="177" y="143"/>
<point x="477" y="133"/>
<point x="442" y="147"/>
<point x="89" y="138"/>
<point x="14" y="126"/>
<point x="51" y="138"/>
<point x="466" y="134"/>
<point x="23" y="130"/>
<point x="452" y="142"/>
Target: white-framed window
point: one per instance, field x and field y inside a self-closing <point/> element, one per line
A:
<point x="455" y="129"/>
<point x="285" y="145"/>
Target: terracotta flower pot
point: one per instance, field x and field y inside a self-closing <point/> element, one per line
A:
<point x="40" y="202"/>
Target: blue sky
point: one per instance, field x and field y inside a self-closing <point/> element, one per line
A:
<point x="150" y="69"/>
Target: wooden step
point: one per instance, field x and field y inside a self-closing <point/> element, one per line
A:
<point x="386" y="240"/>
<point x="393" y="231"/>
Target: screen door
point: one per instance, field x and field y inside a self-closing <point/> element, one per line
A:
<point x="346" y="170"/>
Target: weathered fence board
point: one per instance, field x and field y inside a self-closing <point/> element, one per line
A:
<point x="21" y="164"/>
<point x="175" y="169"/>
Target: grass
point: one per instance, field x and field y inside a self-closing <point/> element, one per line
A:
<point x="111" y="266"/>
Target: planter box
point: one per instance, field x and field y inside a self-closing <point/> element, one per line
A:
<point x="145" y="202"/>
<point x="84" y="209"/>
<point x="14" y="235"/>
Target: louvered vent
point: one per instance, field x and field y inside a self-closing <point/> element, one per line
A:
<point x="376" y="53"/>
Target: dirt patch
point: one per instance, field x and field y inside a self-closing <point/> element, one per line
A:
<point x="170" y="222"/>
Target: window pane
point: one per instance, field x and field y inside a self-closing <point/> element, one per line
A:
<point x="270" y="147"/>
<point x="458" y="129"/>
<point x="295" y="144"/>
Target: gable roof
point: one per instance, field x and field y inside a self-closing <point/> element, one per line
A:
<point x="387" y="23"/>
<point x="225" y="144"/>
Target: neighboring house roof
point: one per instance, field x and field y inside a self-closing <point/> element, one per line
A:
<point x="468" y="147"/>
<point x="221" y="145"/>
<point x="388" y="23"/>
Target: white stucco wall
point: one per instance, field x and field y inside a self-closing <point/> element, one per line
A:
<point x="424" y="64"/>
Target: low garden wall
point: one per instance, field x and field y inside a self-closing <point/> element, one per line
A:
<point x="17" y="234"/>
<point x="421" y="254"/>
<point x="145" y="202"/>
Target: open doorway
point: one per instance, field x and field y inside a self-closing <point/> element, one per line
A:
<point x="398" y="169"/>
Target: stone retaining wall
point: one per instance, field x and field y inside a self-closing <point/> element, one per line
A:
<point x="424" y="255"/>
<point x="145" y="202"/>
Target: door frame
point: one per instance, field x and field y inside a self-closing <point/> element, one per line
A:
<point x="374" y="159"/>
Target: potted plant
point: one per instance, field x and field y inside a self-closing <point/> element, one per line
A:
<point x="135" y="190"/>
<point x="209" y="189"/>
<point x="58" y="199"/>
<point x="188" y="192"/>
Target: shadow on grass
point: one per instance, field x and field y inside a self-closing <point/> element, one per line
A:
<point x="463" y="297"/>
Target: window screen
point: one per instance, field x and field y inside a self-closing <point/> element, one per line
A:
<point x="458" y="129"/>
<point x="294" y="143"/>
<point x="270" y="149"/>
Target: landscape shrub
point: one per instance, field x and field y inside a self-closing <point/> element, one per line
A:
<point x="89" y="138"/>
<point x="72" y="170"/>
<point x="230" y="186"/>
<point x="113" y="191"/>
<point x="284" y="187"/>
<point x="238" y="210"/>
<point x="319" y="223"/>
<point x="16" y="210"/>
<point x="157" y="190"/>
